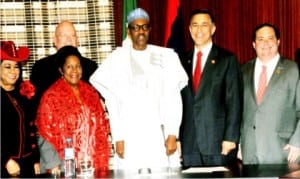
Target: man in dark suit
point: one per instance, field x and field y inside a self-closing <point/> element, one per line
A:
<point x="212" y="113"/>
<point x="45" y="72"/>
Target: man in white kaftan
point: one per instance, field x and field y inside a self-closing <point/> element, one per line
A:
<point x="141" y="84"/>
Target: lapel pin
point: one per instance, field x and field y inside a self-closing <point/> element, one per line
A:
<point x="213" y="61"/>
<point x="278" y="70"/>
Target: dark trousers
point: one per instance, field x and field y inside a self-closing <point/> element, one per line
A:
<point x="197" y="159"/>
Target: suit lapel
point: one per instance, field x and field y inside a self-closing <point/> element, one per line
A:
<point x="187" y="63"/>
<point x="249" y="80"/>
<point x="280" y="67"/>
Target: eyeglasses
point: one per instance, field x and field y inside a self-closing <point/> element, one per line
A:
<point x="137" y="27"/>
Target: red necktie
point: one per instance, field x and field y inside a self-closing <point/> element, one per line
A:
<point x="197" y="72"/>
<point x="262" y="85"/>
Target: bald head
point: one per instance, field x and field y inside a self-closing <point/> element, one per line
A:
<point x="65" y="34"/>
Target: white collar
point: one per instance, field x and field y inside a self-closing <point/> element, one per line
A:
<point x="205" y="50"/>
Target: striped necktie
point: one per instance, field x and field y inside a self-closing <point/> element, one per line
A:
<point x="262" y="85"/>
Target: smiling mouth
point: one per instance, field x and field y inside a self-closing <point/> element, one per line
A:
<point x="74" y="76"/>
<point x="12" y="77"/>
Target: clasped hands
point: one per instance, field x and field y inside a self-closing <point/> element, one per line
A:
<point x="170" y="144"/>
<point x="13" y="168"/>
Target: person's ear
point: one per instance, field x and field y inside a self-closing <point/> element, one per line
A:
<point x="60" y="71"/>
<point x="213" y="29"/>
<point x="54" y="41"/>
<point x="254" y="45"/>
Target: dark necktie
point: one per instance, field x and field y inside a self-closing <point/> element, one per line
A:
<point x="197" y="72"/>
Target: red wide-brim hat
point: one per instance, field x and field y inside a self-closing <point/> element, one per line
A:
<point x="10" y="52"/>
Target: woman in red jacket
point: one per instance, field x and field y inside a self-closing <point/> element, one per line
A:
<point x="71" y="108"/>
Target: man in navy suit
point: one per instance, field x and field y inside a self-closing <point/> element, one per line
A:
<point x="212" y="113"/>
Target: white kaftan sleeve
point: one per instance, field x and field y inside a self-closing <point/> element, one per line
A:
<point x="104" y="80"/>
<point x="175" y="78"/>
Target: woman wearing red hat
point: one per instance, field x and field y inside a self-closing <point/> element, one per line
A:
<point x="19" y="151"/>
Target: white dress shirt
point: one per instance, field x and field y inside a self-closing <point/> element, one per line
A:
<point x="205" y="51"/>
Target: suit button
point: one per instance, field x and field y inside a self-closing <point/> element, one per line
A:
<point x="33" y="146"/>
<point x="254" y="127"/>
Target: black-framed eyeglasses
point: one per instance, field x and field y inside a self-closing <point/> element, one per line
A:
<point x="137" y="27"/>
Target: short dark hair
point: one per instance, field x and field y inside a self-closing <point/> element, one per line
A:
<point x="65" y="52"/>
<point x="202" y="11"/>
<point x="277" y="34"/>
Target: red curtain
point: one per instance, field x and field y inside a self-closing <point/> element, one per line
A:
<point x="172" y="7"/>
<point x="235" y="20"/>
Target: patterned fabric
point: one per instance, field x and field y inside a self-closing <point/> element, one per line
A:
<point x="262" y="85"/>
<point x="61" y="116"/>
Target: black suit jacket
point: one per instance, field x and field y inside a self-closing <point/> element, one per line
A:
<point x="214" y="113"/>
<point x="18" y="133"/>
